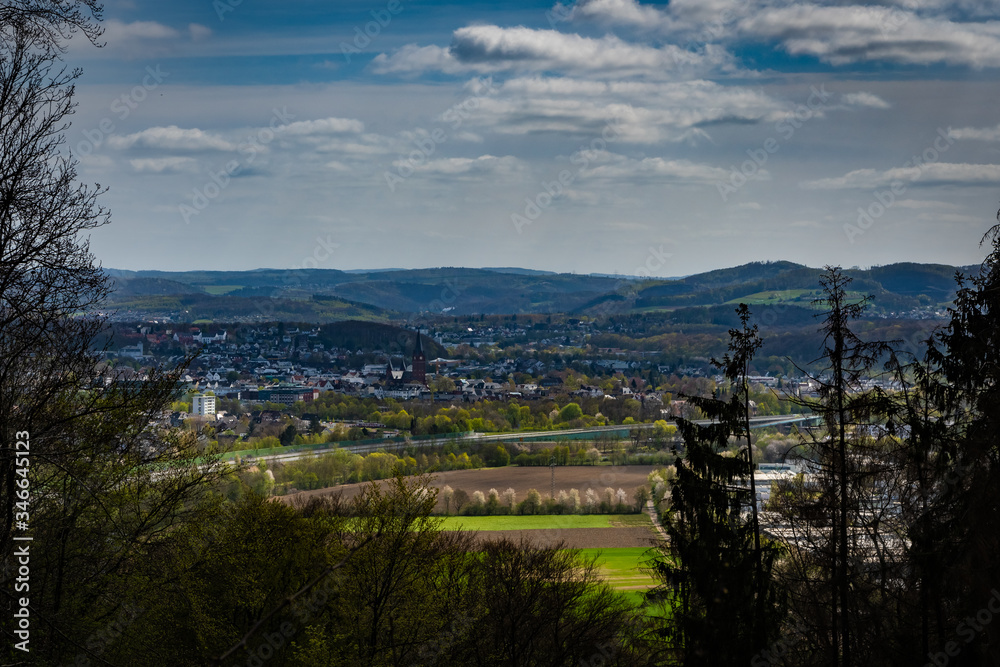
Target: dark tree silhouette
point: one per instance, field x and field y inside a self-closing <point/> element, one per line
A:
<point x="715" y="570"/>
<point x="93" y="494"/>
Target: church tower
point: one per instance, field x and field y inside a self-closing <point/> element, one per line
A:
<point x="418" y="371"/>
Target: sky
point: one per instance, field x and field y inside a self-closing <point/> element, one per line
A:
<point x="600" y="136"/>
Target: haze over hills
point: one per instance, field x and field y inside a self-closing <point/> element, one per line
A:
<point x="323" y="294"/>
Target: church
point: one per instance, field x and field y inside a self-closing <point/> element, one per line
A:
<point x="416" y="373"/>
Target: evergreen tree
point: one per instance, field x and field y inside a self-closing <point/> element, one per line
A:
<point x="957" y="534"/>
<point x="714" y="569"/>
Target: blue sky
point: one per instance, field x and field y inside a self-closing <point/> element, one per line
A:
<point x="606" y="136"/>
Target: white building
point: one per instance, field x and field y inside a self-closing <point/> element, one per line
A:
<point x="203" y="405"/>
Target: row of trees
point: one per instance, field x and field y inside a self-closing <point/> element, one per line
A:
<point x="495" y="503"/>
<point x="880" y="553"/>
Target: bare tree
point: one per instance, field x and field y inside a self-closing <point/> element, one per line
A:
<point x="100" y="486"/>
<point x="844" y="536"/>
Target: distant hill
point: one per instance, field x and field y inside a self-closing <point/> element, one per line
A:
<point x="317" y="295"/>
<point x="521" y="272"/>
<point x="895" y="287"/>
<point x="152" y="286"/>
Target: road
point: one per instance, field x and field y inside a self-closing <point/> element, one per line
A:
<point x="526" y="436"/>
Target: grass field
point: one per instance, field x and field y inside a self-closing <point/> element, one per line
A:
<point x="545" y="522"/>
<point x="799" y="297"/>
<point x="775" y="296"/>
<point x="621" y="567"/>
<point x="216" y="290"/>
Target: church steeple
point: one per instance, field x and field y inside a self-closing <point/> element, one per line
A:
<point x="418" y="372"/>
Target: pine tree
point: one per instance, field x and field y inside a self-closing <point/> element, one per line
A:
<point x="715" y="569"/>
<point x="959" y="533"/>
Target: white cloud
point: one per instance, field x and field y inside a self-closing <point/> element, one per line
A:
<point x="413" y="59"/>
<point x="902" y="31"/>
<point x="849" y="34"/>
<point x="323" y="126"/>
<point x="171" y="138"/>
<point x="863" y="99"/>
<point x="337" y="166"/>
<point x="635" y="112"/>
<point x="659" y="170"/>
<point x="116" y="31"/>
<point x="455" y="166"/>
<point x="366" y="145"/>
<point x="938" y="173"/>
<point x="199" y="32"/>
<point x="142" y="39"/>
<point x="621" y="12"/>
<point x="164" y="165"/>
<point x="490" y="48"/>
<point x="982" y="134"/>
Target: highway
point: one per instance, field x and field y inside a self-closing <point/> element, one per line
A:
<point x="526" y="436"/>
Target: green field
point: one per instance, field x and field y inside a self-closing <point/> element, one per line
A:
<point x="544" y="522"/>
<point x="776" y="296"/>
<point x="216" y="290"/>
<point x="799" y="297"/>
<point x="621" y="566"/>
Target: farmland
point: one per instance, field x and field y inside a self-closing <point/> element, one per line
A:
<point x="518" y="478"/>
<point x="620" y="543"/>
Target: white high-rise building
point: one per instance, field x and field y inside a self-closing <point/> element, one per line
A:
<point x="203" y="405"/>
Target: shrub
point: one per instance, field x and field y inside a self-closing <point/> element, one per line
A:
<point x="446" y="493"/>
<point x="460" y="499"/>
<point x="570" y="411"/>
<point x="641" y="496"/>
<point x="493" y="502"/>
<point x="476" y="505"/>
<point x="531" y="503"/>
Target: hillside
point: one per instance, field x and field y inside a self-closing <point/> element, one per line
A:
<point x="318" y="295"/>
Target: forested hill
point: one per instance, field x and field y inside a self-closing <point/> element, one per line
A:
<point x="321" y="294"/>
